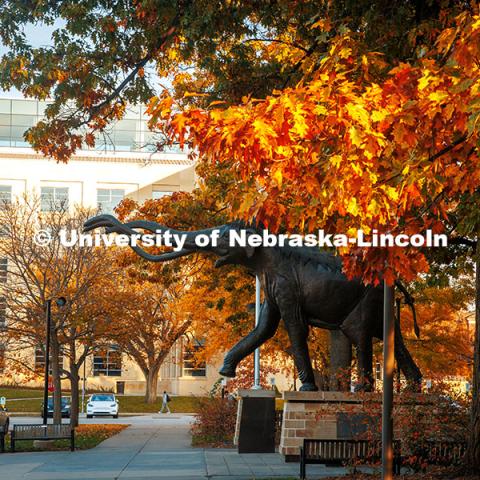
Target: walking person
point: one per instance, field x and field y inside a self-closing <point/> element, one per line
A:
<point x="165" y="400"/>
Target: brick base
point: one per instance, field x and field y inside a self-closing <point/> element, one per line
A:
<point x="330" y="415"/>
<point x="314" y="415"/>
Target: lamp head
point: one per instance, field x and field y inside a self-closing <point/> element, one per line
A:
<point x="61" y="301"/>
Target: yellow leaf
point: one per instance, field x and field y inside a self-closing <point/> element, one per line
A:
<point x="357" y="112"/>
<point x="352" y="206"/>
<point x="391" y="193"/>
<point x="335" y="160"/>
<point x="355" y="136"/>
<point x="194" y="94"/>
<point x="423" y="82"/>
<point x="277" y="175"/>
<point x="320" y="110"/>
<point x="378" y="115"/>
<point x="438" y="96"/>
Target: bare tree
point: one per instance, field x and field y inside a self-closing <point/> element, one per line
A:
<point x="39" y="268"/>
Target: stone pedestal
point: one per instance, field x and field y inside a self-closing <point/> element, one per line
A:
<point x="338" y="415"/>
<point x="326" y="415"/>
<point x="255" y="429"/>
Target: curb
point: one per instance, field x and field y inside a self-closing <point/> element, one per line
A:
<point x="126" y="414"/>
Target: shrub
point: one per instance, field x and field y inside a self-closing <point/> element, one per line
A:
<point x="214" y="425"/>
<point x="440" y="415"/>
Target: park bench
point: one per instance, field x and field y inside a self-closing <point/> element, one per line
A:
<point x="42" y="432"/>
<point x="326" y="451"/>
<point x="4" y="423"/>
<point x="439" y="452"/>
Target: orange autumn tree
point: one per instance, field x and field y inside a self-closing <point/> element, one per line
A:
<point x="102" y="56"/>
<point x="394" y="151"/>
<point x="367" y="135"/>
<point x="147" y="319"/>
<point x="445" y="345"/>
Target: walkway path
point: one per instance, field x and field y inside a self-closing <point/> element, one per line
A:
<point x="153" y="448"/>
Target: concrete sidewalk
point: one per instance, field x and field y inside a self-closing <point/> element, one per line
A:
<point x="158" y="449"/>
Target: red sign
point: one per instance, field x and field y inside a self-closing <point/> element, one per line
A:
<point x="51" y="388"/>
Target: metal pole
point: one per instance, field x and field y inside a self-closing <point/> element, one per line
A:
<point x="388" y="371"/>
<point x="83" y="383"/>
<point x="47" y="360"/>
<point x="256" y="369"/>
<point x="399" y="378"/>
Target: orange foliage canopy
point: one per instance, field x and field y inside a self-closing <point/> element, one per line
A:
<point x="353" y="148"/>
<point x="446" y="344"/>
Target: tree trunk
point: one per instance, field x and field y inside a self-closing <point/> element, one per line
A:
<point x="151" y="377"/>
<point x="57" y="384"/>
<point x="473" y="452"/>
<point x="74" y="387"/>
<point x="340" y="361"/>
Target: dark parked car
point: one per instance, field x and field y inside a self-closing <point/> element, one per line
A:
<point x="65" y="407"/>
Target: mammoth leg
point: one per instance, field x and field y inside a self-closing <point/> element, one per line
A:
<point x="268" y="321"/>
<point x="365" y="322"/>
<point x="405" y="361"/>
<point x="340" y="361"/>
<point x="365" y="369"/>
<point x="297" y="330"/>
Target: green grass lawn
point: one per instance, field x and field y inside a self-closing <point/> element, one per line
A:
<point x="86" y="436"/>
<point x="128" y="404"/>
<point x="20" y="392"/>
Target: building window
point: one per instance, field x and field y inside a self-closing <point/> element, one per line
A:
<point x="2" y="358"/>
<point x="156" y="194"/>
<point x="108" y="361"/>
<point x="4" y="231"/>
<point x="109" y="198"/>
<point x="192" y="367"/>
<point x="54" y="199"/>
<point x="378" y="371"/>
<point x="40" y="361"/>
<point x="3" y="270"/>
<point x="5" y="195"/>
<point x="172" y="366"/>
<point x="3" y="313"/>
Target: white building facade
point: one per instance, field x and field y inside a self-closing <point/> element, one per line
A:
<point x="124" y="164"/>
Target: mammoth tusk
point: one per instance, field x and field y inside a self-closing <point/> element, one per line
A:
<point x="153" y="227"/>
<point x="113" y="225"/>
<point x="164" y="257"/>
<point x="108" y="221"/>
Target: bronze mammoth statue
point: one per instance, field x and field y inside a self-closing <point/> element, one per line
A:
<point x="302" y="286"/>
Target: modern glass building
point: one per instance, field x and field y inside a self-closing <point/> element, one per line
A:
<point x="131" y="134"/>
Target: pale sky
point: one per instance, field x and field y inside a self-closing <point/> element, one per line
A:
<point x="38" y="35"/>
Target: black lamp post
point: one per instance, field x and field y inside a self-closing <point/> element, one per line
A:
<point x="60" y="301"/>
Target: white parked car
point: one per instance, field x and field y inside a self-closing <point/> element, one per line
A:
<point x="102" y="404"/>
